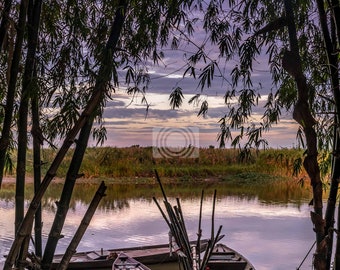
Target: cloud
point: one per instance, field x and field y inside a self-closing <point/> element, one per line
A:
<point x="128" y="122"/>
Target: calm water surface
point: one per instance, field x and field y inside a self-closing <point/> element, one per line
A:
<point x="271" y="228"/>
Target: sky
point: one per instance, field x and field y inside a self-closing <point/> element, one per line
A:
<point x="125" y="117"/>
<point x="128" y="124"/>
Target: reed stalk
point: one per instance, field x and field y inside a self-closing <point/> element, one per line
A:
<point x="174" y="218"/>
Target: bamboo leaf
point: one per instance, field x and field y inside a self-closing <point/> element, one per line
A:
<point x="176" y="98"/>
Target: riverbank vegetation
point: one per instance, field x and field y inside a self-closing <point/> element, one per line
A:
<point x="129" y="173"/>
<point x="137" y="164"/>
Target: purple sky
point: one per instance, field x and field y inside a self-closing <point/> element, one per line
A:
<point x="127" y="125"/>
<point x="125" y="117"/>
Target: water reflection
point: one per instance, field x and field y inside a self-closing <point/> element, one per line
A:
<point x="270" y="226"/>
<point x="118" y="195"/>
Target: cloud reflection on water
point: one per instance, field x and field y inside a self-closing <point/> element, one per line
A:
<point x="267" y="234"/>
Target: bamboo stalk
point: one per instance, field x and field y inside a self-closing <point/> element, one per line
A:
<point x="183" y="233"/>
<point x="213" y="216"/>
<point x="96" y="98"/>
<point x="66" y="195"/>
<point x="160" y="184"/>
<point x="82" y="228"/>
<point x="208" y="252"/>
<point x="175" y="220"/>
<point x="177" y="231"/>
<point x="162" y="212"/>
<point x="199" y="232"/>
<point x="180" y="212"/>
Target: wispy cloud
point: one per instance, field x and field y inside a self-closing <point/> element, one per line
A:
<point x="129" y="123"/>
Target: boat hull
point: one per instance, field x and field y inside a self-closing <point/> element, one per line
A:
<point x="124" y="262"/>
<point x="103" y="259"/>
<point x="222" y="258"/>
<point x="225" y="258"/>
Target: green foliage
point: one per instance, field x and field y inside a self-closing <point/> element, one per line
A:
<point x="176" y="98"/>
<point x="138" y="163"/>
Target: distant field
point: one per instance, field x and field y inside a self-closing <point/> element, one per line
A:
<point x="133" y="163"/>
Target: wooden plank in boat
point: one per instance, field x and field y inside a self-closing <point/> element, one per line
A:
<point x="124" y="262"/>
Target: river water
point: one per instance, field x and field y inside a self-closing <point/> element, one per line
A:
<point x="271" y="228"/>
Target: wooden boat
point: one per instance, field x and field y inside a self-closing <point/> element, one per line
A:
<point x="225" y="258"/>
<point x="102" y="259"/>
<point x="124" y="262"/>
<point x="222" y="257"/>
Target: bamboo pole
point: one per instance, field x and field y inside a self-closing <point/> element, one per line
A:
<point x="213" y="216"/>
<point x="82" y="228"/>
<point x="160" y="185"/>
<point x="4" y="22"/>
<point x="66" y="195"/>
<point x="97" y="96"/>
<point x="176" y="223"/>
<point x="199" y="232"/>
<point x="162" y="212"/>
<point x="14" y="64"/>
<point x="37" y="141"/>
<point x="180" y="213"/>
<point x="210" y="248"/>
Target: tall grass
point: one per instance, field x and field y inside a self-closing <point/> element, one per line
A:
<point x="138" y="162"/>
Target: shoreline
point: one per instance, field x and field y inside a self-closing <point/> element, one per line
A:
<point x="117" y="180"/>
<point x="28" y="180"/>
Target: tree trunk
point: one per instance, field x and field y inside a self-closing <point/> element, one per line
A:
<point x="5" y="134"/>
<point x="335" y="11"/>
<point x="331" y="205"/>
<point x="82" y="228"/>
<point x="63" y="204"/>
<point x="333" y="71"/>
<point x="104" y="76"/>
<point x="291" y="62"/>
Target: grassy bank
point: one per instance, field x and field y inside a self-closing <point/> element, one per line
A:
<point x="132" y="163"/>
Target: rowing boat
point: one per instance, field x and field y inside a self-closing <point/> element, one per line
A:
<point x="223" y="258"/>
<point x="100" y="259"/>
<point x="124" y="262"/>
